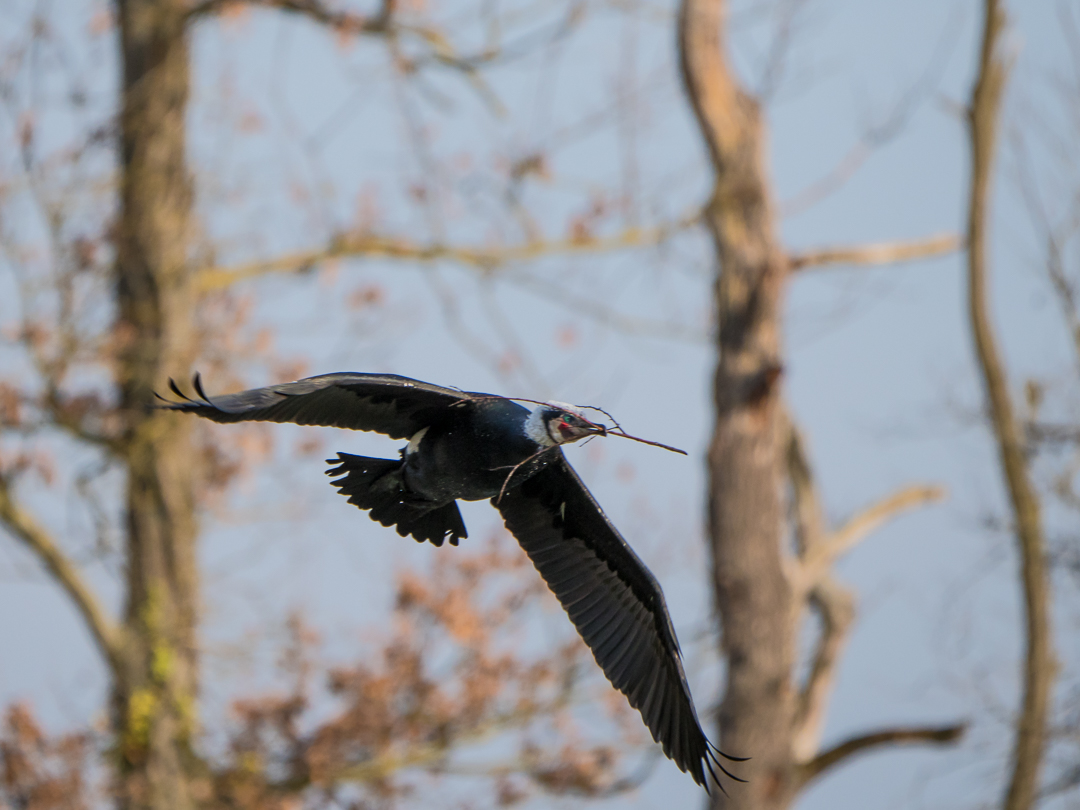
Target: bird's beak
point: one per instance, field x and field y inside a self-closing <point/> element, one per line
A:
<point x="597" y="429"/>
<point x="577" y="432"/>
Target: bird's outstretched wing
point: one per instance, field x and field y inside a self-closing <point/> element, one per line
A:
<point x="614" y="602"/>
<point x="384" y="403"/>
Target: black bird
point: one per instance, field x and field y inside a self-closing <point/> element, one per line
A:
<point x="473" y="446"/>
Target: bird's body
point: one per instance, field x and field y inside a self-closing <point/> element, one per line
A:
<point x="468" y="454"/>
<point x="468" y="446"/>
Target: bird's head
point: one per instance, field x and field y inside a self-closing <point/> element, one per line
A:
<point x="559" y="423"/>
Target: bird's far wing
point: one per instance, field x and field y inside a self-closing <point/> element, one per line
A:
<point x="614" y="602"/>
<point x="384" y="403"/>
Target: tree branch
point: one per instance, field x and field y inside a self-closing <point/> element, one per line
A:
<point x="876" y="135"/>
<point x="342" y="21"/>
<point x="879" y="253"/>
<point x="863" y="523"/>
<point x="1043" y="432"/>
<point x="810" y="529"/>
<point x="836" y="607"/>
<point x="932" y="735"/>
<point x="382" y="765"/>
<point x="598" y="312"/>
<point x="385" y="24"/>
<point x="1039" y="667"/>
<point x="813" y="582"/>
<point x="485" y="259"/>
<point x="350" y="23"/>
<point x="63" y="416"/>
<point x="23" y="526"/>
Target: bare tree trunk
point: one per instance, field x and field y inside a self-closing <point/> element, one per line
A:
<point x="747" y="453"/>
<point x="762" y="591"/>
<point x="156" y="687"/>
<point x="1039" y="658"/>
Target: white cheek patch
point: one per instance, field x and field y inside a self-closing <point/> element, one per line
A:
<point x="536" y="429"/>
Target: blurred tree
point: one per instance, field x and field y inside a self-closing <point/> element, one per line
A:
<point x="1025" y="506"/>
<point x="763" y="593"/>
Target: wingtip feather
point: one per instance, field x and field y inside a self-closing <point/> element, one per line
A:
<point x="711" y="754"/>
<point x="196" y="380"/>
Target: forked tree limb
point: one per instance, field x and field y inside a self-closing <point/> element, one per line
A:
<point x="1038" y="678"/>
<point x="864" y="743"/>
<point x="814" y="585"/>
<point x="877" y="253"/>
<point x="835" y="605"/>
<point x="816" y="589"/>
<point x="22" y="525"/>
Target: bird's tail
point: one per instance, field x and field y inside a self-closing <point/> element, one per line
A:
<point x="376" y="484"/>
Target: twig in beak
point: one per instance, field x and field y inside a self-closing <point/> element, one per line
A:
<point x="646" y="441"/>
<point x="618" y="431"/>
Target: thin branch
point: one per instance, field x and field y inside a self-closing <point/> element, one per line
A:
<point x="928" y="735"/>
<point x="485" y="259"/>
<point x="879" y="253"/>
<point x="878" y="135"/>
<point x="1039" y="657"/>
<point x="1056" y="238"/>
<point x="599" y="312"/>
<point x="62" y="416"/>
<point x="526" y="767"/>
<point x="342" y="21"/>
<point x="23" y="526"/>
<point x="862" y="524"/>
<point x="384" y="24"/>
<point x="1046" y="433"/>
<point x="383" y="765"/>
<point x="56" y="413"/>
<point x="776" y="64"/>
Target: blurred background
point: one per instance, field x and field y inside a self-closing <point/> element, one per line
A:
<point x="513" y="196"/>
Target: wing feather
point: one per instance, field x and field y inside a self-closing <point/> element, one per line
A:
<point x="614" y="602"/>
<point x="384" y="403"/>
